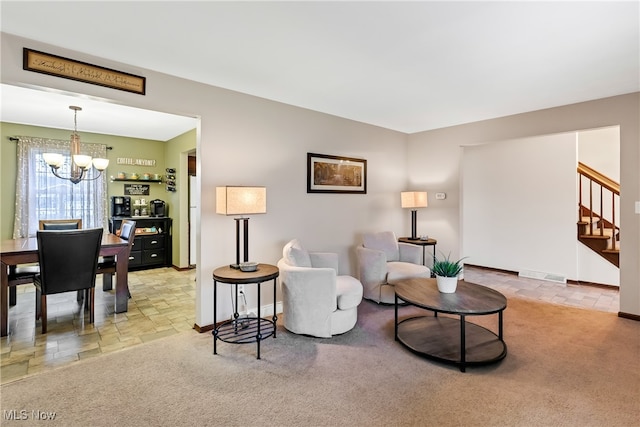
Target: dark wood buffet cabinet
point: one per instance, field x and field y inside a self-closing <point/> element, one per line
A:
<point x="152" y="245"/>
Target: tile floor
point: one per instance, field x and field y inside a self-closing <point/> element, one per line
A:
<point x="600" y="298"/>
<point x="162" y="304"/>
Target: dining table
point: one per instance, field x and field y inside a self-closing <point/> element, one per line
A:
<point x="25" y="251"/>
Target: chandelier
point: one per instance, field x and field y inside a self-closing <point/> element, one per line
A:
<point x="80" y="163"/>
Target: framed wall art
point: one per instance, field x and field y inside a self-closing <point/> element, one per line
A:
<point x="336" y="174"/>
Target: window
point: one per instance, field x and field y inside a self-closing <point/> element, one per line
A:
<point x="41" y="195"/>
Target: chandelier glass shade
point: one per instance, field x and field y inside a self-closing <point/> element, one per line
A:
<point x="80" y="163"/>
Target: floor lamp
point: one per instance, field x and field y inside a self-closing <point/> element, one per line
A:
<point x="413" y="200"/>
<point x="241" y="201"/>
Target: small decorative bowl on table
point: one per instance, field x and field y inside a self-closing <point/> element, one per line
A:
<point x="248" y="266"/>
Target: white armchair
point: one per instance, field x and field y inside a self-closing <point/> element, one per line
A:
<point x="383" y="261"/>
<point x="316" y="300"/>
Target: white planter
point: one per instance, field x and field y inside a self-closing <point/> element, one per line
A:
<point x="447" y="285"/>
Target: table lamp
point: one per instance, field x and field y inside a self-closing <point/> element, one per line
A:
<point x="241" y="201"/>
<point x="413" y="200"/>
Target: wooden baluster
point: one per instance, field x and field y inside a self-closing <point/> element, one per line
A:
<point x="601" y="222"/>
<point x="613" y="221"/>
<point x="580" y="197"/>
<point x="590" y="206"/>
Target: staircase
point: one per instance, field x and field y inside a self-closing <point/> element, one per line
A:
<point x="599" y="202"/>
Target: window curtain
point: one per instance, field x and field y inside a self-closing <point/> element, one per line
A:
<point x="41" y="195"/>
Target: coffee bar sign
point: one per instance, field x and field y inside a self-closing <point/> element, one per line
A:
<point x="136" y="189"/>
<point x="135" y="162"/>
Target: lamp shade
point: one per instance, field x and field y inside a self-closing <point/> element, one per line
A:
<point x="241" y="200"/>
<point x="413" y="199"/>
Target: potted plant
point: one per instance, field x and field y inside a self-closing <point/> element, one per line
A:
<point x="446" y="272"/>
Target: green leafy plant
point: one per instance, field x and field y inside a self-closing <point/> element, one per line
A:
<point x="444" y="267"/>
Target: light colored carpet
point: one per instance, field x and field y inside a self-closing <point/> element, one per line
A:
<point x="565" y="367"/>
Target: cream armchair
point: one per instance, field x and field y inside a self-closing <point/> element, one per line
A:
<point x="316" y="300"/>
<point x="383" y="261"/>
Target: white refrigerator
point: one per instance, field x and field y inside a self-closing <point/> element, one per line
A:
<point x="194" y="201"/>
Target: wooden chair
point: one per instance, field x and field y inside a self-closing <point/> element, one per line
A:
<point x="25" y="273"/>
<point x="68" y="262"/>
<point x="107" y="266"/>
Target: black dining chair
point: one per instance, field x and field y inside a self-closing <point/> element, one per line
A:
<point x="68" y="262"/>
<point x="60" y="224"/>
<point x="25" y="273"/>
<point x="107" y="266"/>
<point x="20" y="275"/>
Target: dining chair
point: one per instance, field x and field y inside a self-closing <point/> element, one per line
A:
<point x="25" y="273"/>
<point x="107" y="266"/>
<point x="68" y="262"/>
<point x="60" y="224"/>
<point x="22" y="274"/>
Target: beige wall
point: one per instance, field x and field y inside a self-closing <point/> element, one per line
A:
<point x="600" y="150"/>
<point x="244" y="140"/>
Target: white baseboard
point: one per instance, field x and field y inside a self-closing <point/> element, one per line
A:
<point x="267" y="310"/>
<point x="543" y="276"/>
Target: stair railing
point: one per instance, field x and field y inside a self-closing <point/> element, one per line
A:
<point x="602" y="183"/>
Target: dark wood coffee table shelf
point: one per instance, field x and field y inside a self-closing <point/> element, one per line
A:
<point x="449" y="339"/>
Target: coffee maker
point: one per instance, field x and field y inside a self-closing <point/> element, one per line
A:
<point x="120" y="206"/>
<point x="158" y="208"/>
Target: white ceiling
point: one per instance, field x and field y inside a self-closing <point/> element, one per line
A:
<point x="51" y="109"/>
<point x="407" y="66"/>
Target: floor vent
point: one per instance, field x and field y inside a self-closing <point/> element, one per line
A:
<point x="543" y="276"/>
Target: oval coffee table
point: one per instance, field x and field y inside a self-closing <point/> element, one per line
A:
<point x="449" y="339"/>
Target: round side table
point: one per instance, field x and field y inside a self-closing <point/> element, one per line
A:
<point x="250" y="329"/>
